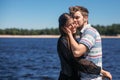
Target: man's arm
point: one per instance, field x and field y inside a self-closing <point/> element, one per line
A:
<point x="106" y="74"/>
<point x="89" y="67"/>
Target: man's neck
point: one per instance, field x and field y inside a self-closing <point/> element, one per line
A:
<point x="80" y="28"/>
<point x="85" y="24"/>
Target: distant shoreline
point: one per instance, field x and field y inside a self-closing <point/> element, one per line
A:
<point x="43" y="36"/>
<point x="29" y="36"/>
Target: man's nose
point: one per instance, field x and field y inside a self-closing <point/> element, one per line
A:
<point x="74" y="19"/>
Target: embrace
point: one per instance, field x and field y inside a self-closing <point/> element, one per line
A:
<point x="80" y="59"/>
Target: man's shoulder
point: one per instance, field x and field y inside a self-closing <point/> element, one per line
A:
<point x="91" y="29"/>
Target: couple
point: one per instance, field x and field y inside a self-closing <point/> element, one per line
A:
<point x="79" y="60"/>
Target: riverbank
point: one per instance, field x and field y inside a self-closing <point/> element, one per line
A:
<point x="29" y="36"/>
<point x="43" y="36"/>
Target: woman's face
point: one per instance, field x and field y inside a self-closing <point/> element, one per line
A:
<point x="71" y="25"/>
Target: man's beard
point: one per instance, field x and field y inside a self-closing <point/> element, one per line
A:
<point x="80" y="27"/>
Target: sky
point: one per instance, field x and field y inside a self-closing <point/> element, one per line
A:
<point x="41" y="14"/>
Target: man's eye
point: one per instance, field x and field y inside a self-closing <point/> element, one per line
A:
<point x="76" y="17"/>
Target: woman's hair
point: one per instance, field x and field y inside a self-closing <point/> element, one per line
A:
<point x="63" y="21"/>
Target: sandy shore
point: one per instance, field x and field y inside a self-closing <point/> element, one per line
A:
<point x="43" y="36"/>
<point x="29" y="36"/>
<point x="111" y="36"/>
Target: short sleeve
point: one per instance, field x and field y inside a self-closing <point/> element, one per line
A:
<point x="88" y="38"/>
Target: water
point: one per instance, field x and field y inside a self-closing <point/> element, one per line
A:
<point x="37" y="59"/>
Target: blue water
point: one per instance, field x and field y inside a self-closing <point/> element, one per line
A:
<point x="37" y="59"/>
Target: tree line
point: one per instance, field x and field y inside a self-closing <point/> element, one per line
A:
<point x="110" y="30"/>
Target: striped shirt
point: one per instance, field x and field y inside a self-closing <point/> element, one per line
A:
<point x="91" y="38"/>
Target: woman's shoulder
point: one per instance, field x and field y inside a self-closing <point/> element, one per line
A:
<point x="62" y="40"/>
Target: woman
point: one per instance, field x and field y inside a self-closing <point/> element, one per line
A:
<point x="71" y="66"/>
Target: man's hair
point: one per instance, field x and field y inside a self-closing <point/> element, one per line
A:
<point x="84" y="11"/>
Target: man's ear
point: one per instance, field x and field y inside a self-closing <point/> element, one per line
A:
<point x="85" y="19"/>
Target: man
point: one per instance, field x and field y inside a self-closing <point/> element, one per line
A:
<point x="90" y="41"/>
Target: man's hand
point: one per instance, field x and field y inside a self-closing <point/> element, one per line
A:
<point x="106" y="74"/>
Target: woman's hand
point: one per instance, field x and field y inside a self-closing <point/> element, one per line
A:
<point x="106" y="74"/>
<point x="67" y="31"/>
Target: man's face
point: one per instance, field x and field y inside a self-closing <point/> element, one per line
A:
<point x="78" y="19"/>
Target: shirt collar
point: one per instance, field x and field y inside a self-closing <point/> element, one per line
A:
<point x="84" y="27"/>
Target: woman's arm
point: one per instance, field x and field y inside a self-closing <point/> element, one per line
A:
<point x="78" y="49"/>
